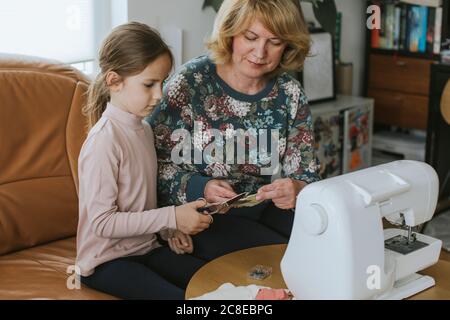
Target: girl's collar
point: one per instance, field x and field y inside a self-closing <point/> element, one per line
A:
<point x="126" y="118"/>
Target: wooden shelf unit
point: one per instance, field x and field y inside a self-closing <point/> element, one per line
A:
<point x="399" y="81"/>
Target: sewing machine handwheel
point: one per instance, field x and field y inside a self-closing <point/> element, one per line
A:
<point x="314" y="220"/>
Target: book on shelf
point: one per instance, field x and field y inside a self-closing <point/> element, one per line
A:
<point x="407" y="26"/>
<point x="430" y="30"/>
<point x="397" y="27"/>
<point x="426" y="3"/>
<point x="418" y="29"/>
<point x="390" y="26"/>
<point x="403" y="24"/>
<point x="437" y="31"/>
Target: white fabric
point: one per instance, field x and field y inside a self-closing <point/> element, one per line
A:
<point x="228" y="291"/>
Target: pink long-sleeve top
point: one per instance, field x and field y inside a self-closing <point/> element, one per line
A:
<point x="118" y="213"/>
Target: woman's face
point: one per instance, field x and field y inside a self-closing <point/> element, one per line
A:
<point x="257" y="51"/>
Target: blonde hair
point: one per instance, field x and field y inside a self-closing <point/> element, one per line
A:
<point x="128" y="50"/>
<point x="281" y="17"/>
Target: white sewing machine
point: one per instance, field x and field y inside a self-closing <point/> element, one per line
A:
<point x="338" y="249"/>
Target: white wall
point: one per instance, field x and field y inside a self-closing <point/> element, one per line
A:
<point x="353" y="37"/>
<point x="185" y="14"/>
<point x="197" y="25"/>
<point x="119" y="12"/>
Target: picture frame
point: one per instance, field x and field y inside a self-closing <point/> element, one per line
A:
<point x="318" y="76"/>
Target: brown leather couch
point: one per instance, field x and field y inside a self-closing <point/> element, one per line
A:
<point x="41" y="133"/>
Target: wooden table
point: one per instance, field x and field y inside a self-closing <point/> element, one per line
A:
<point x="233" y="268"/>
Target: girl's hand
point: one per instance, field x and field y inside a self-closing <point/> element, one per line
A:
<point x="217" y="191"/>
<point x="189" y="220"/>
<point x="283" y="192"/>
<point x="181" y="243"/>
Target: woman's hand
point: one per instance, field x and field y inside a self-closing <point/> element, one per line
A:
<point x="283" y="192"/>
<point x="181" y="243"/>
<point x="189" y="220"/>
<point x="217" y="191"/>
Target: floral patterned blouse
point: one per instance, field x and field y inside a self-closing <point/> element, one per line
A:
<point x="195" y="97"/>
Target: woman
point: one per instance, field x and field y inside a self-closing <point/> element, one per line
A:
<point x="241" y="86"/>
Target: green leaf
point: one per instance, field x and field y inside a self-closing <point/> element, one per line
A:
<point x="326" y="14"/>
<point x="315" y="3"/>
<point x="215" y="4"/>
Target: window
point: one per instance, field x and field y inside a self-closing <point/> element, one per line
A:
<point x="87" y="67"/>
<point x="66" y="30"/>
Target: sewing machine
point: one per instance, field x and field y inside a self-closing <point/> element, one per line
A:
<point x="338" y="248"/>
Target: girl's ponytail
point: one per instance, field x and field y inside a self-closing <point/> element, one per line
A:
<point x="97" y="99"/>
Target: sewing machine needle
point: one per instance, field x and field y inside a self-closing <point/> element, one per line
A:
<point x="409" y="234"/>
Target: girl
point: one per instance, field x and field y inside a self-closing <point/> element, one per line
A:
<point x="117" y="247"/>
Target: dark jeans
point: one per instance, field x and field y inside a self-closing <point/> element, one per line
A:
<point x="162" y="274"/>
<point x="268" y="214"/>
<point x="242" y="229"/>
<point x="159" y="274"/>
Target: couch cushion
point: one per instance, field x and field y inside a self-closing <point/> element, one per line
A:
<point x="41" y="133"/>
<point x="41" y="273"/>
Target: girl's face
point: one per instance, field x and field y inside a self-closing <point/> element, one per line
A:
<point x="139" y="94"/>
<point x="257" y="51"/>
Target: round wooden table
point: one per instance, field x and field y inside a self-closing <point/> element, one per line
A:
<point x="234" y="267"/>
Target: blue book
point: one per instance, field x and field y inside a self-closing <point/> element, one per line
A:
<point x="417" y="22"/>
<point x="423" y="29"/>
<point x="414" y="31"/>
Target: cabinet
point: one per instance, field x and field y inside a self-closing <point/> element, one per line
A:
<point x="397" y="73"/>
<point x="343" y="134"/>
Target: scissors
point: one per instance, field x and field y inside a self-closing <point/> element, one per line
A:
<point x="223" y="206"/>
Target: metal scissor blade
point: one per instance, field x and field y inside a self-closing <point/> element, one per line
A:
<point x="235" y="199"/>
<point x="218" y="207"/>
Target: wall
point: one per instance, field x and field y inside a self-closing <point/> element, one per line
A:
<point x="353" y="37"/>
<point x="197" y="25"/>
<point x="185" y="14"/>
<point x="119" y="12"/>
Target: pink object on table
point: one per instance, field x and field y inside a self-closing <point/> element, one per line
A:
<point x="273" y="294"/>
